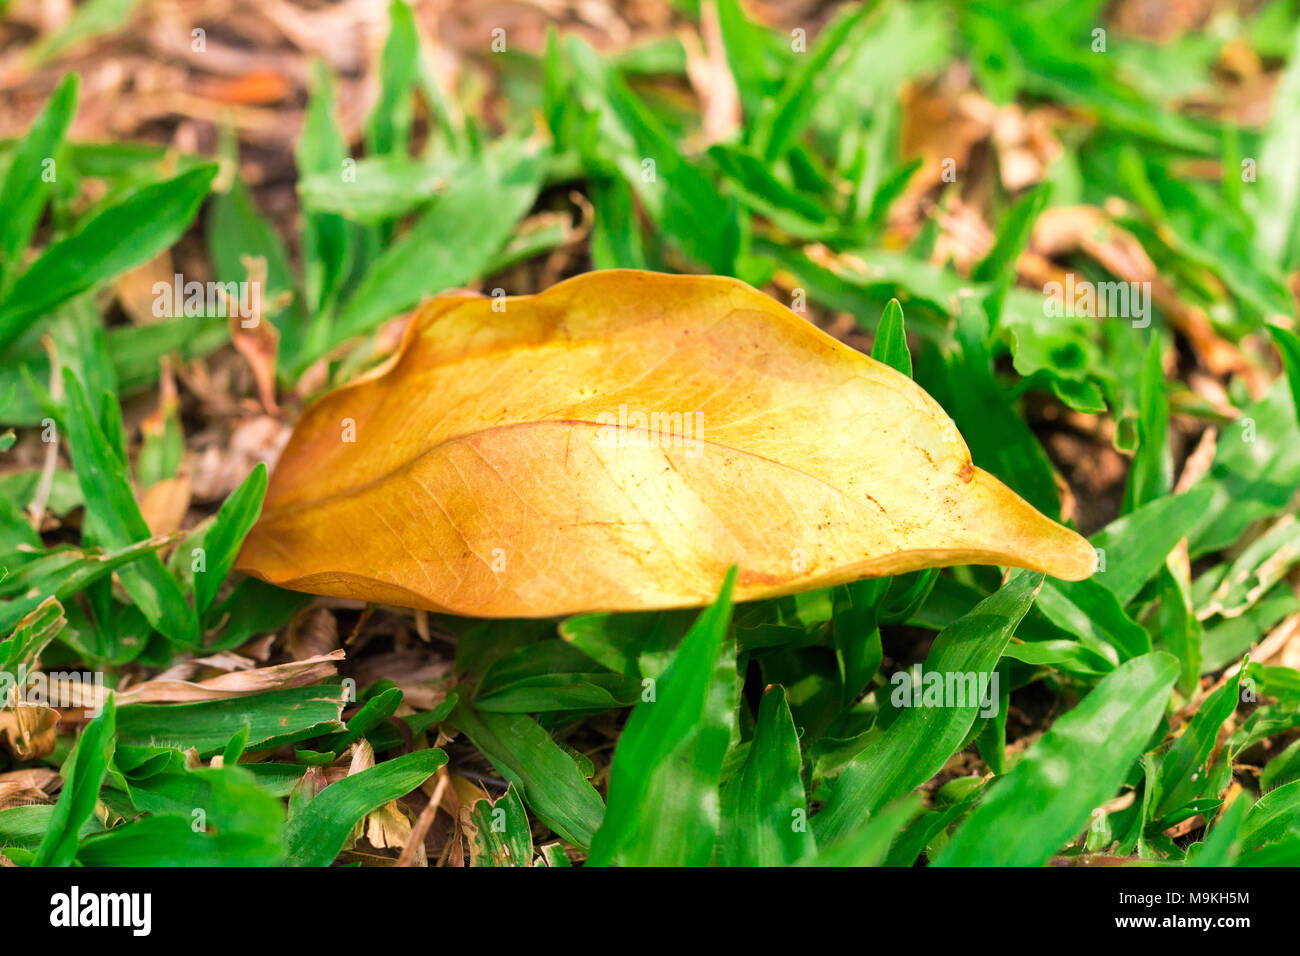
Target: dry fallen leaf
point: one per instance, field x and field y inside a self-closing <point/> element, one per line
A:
<point x="29" y="732"/>
<point x="20" y="788"/>
<point x="240" y="683"/>
<point x="313" y="632"/>
<point x="219" y="468"/>
<point x="1026" y="144"/>
<point x="505" y="462"/>
<point x="165" y="503"/>
<point x="256" y="340"/>
<point x="135" y="288"/>
<point x="260" y="87"/>
<point x="941" y="126"/>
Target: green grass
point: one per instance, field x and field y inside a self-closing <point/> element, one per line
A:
<point x="762" y="734"/>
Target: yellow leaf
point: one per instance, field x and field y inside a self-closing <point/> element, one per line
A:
<point x="616" y="443"/>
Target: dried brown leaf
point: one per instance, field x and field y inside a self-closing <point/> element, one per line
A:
<point x="29" y="731"/>
<point x="234" y="684"/>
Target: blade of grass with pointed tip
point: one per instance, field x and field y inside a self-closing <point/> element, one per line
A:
<point x="25" y="186"/>
<point x="376" y="188"/>
<point x="685" y="202"/>
<point x="90" y="19"/>
<point x="921" y="739"/>
<point x="388" y="128"/>
<point x="547" y="777"/>
<point x="1283" y="768"/>
<point x="890" y="345"/>
<point x="786" y="115"/>
<point x="999" y="439"/>
<point x="328" y="240"/>
<point x="222" y="542"/>
<point x="745" y="43"/>
<point x="622" y="642"/>
<point x="681" y="719"/>
<point x="372" y="713"/>
<point x="1181" y="632"/>
<point x="1149" y="477"/>
<point x="113" y="517"/>
<point x="448" y="245"/>
<point x="914" y="841"/>
<point x="765" y="803"/>
<point x="682" y="821"/>
<point x="551" y="692"/>
<point x="1255" y="473"/>
<point x="1223" y="844"/>
<point x="1079" y="764"/>
<point x="1012" y="238"/>
<point x="1136" y="545"/>
<point x="615" y="234"/>
<point x="1093" y="613"/>
<point x="83" y="773"/>
<point x="318" y="832"/>
<point x="1183" y="769"/>
<point x="119" y="237"/>
<point x="69" y="573"/>
<point x="760" y="190"/>
<point x="236" y="746"/>
<point x="1277" y="213"/>
<point x="855" y="632"/>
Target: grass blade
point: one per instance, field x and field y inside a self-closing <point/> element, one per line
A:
<point x="1149" y="477"/>
<point x="318" y="832"/>
<point x="25" y="186"/>
<point x="765" y="802"/>
<point x="1275" y="816"/>
<point x="890" y="345"/>
<point x="869" y="844"/>
<point x="113" y="516"/>
<point x="1288" y="346"/>
<point x="678" y="735"/>
<point x="221" y="543"/>
<point x="83" y="774"/>
<point x="273" y="718"/>
<point x="546" y="776"/>
<point x="120" y="237"/>
<point x="1076" y="766"/>
<point x="497" y="832"/>
<point x="1137" y="544"/>
<point x="449" y="244"/>
<point x="1277" y="214"/>
<point x="921" y="739"/>
<point x="1183" y="771"/>
<point x="388" y="128"/>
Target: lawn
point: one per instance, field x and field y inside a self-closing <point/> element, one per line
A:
<point x="385" y="483"/>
